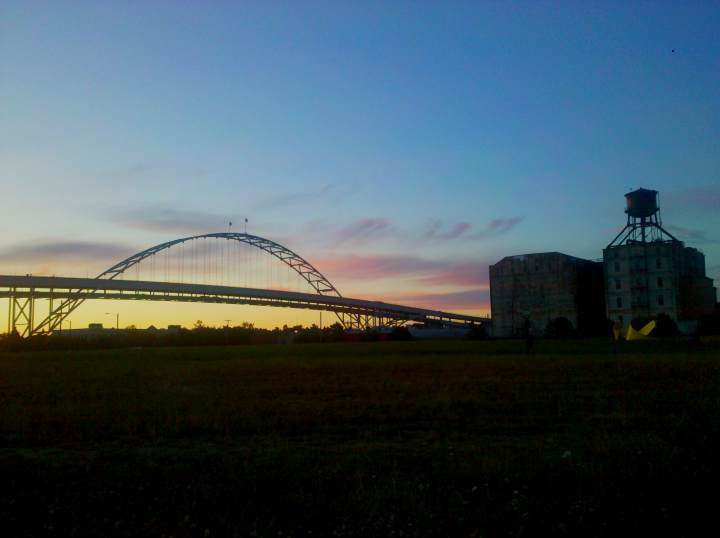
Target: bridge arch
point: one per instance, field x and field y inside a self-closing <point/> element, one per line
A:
<point x="297" y="263"/>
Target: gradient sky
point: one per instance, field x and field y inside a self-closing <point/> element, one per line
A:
<point x="399" y="146"/>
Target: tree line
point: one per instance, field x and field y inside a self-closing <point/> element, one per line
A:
<point x="198" y="335"/>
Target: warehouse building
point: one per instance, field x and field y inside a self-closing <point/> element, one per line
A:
<point x="539" y="288"/>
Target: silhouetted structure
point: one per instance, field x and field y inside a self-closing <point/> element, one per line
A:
<point x="649" y="272"/>
<point x="538" y="288"/>
<point x="65" y="295"/>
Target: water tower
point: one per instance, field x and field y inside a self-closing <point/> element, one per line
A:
<point x="649" y="272"/>
<point x="644" y="224"/>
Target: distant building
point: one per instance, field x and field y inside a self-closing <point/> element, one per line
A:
<point x="95" y="330"/>
<point x="649" y="272"/>
<point x="542" y="287"/>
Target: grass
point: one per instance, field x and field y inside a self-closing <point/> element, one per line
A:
<point x="385" y="439"/>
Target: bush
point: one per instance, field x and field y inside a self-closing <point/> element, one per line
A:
<point x="400" y="334"/>
<point x="710" y="325"/>
<point x="600" y="327"/>
<point x="640" y="322"/>
<point x="477" y="333"/>
<point x="664" y="325"/>
<point x="559" y="328"/>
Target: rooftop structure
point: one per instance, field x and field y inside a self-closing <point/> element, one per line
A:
<point x="643" y="219"/>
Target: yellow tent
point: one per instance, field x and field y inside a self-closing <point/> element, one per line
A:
<point x="643" y="333"/>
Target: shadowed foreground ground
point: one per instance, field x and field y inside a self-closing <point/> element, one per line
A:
<point x="387" y="439"/>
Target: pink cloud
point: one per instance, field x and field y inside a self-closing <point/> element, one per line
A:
<point x="62" y="257"/>
<point x="460" y="273"/>
<point x="66" y="250"/>
<point x="364" y="230"/>
<point x="374" y="267"/>
<point x="471" y="299"/>
<point x="423" y="271"/>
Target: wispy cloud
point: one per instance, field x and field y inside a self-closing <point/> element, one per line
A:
<point x="423" y="271"/>
<point x="171" y="220"/>
<point x="65" y="250"/>
<point x="133" y="171"/>
<point x="692" y="235"/>
<point x="458" y="273"/>
<point x="438" y="231"/>
<point x="697" y="198"/>
<point x="497" y="227"/>
<point x="364" y="231"/>
<point x="141" y="171"/>
<point x="333" y="234"/>
<point x="471" y="299"/>
<point x="357" y="267"/>
<point x="378" y="229"/>
<point x="328" y="191"/>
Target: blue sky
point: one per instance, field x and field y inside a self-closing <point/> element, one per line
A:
<point x="401" y="146"/>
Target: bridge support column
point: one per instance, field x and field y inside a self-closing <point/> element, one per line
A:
<point x="56" y="314"/>
<point x="21" y="316"/>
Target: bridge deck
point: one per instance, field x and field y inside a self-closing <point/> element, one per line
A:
<point x="44" y="287"/>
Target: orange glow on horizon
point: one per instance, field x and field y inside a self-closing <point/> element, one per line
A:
<point x="435" y="284"/>
<point x="143" y="314"/>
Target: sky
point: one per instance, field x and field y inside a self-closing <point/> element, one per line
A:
<point x="401" y="147"/>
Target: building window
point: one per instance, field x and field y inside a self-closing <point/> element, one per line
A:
<point x="658" y="262"/>
<point x="660" y="282"/>
<point x="618" y="284"/>
<point x="617" y="267"/>
<point x="661" y="300"/>
<point x="619" y="302"/>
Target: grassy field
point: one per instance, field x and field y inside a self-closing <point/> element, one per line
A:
<point x="382" y="439"/>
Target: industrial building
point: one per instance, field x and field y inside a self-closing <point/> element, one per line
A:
<point x="645" y="272"/>
<point x="650" y="272"/>
<point x="538" y="288"/>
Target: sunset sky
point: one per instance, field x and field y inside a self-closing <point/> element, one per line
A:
<point x="401" y="147"/>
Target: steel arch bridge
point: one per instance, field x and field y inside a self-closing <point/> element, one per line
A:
<point x="65" y="295"/>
